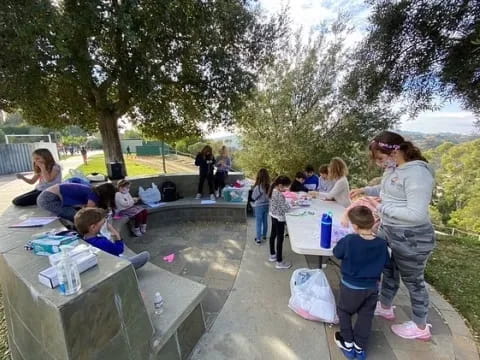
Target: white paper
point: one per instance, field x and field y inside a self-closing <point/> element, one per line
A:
<point x="34" y="222"/>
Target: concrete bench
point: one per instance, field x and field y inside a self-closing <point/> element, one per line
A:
<point x="110" y="318"/>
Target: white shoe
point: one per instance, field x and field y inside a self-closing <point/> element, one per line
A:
<point x="272" y="258"/>
<point x="212" y="197"/>
<point x="198" y="197"/>
<point x="283" y="265"/>
<point x="137" y="232"/>
<point x="143" y="228"/>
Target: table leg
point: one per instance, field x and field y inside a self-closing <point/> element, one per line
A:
<point x="320" y="262"/>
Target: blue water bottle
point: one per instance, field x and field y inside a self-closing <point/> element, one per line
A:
<point x="326" y="230"/>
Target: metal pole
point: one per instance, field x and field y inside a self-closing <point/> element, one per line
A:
<point x="6" y="139"/>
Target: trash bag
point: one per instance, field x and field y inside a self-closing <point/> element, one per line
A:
<point x="312" y="298"/>
<point x="149" y="195"/>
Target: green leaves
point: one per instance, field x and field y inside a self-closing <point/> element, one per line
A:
<point x="300" y="114"/>
<point x="416" y="50"/>
<point x="458" y="178"/>
<point x="162" y="63"/>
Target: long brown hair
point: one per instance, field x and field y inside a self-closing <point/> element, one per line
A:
<point x="206" y="149"/>
<point x="263" y="179"/>
<point x="281" y="180"/>
<point x="386" y="142"/>
<point x="46" y="155"/>
<point x="337" y="168"/>
<point x="106" y="195"/>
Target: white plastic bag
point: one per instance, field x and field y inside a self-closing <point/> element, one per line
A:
<point x="149" y="195"/>
<point x="312" y="298"/>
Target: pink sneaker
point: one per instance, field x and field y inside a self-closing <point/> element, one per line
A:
<point x="385" y="313"/>
<point x="410" y="330"/>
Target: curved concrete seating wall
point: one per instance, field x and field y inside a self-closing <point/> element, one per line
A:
<point x="186" y="183"/>
<point x="110" y="317"/>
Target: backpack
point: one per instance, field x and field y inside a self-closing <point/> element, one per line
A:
<point x="169" y="191"/>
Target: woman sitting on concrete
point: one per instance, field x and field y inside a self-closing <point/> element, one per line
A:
<point x="45" y="171"/>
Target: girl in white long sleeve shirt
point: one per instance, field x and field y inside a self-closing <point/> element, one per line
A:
<point x="338" y="171"/>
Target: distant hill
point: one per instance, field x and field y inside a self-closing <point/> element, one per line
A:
<point x="431" y="141"/>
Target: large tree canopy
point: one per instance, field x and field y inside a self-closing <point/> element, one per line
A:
<point x="420" y="49"/>
<point x="299" y="114"/>
<point x="91" y="62"/>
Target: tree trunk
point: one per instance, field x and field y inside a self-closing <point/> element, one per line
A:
<point x="111" y="143"/>
<point x="163" y="157"/>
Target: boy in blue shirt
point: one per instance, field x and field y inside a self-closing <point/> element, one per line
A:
<point x="89" y="222"/>
<point x="363" y="258"/>
<point x="311" y="181"/>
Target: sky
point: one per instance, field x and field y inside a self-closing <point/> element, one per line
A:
<point x="309" y="14"/>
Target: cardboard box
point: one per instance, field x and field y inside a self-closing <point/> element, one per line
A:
<point x="48" y="277"/>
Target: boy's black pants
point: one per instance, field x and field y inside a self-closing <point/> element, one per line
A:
<point x="362" y="303"/>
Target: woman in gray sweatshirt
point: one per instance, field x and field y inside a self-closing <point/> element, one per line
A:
<point x="405" y="194"/>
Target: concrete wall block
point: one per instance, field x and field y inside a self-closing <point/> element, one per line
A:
<point x="115" y="349"/>
<point x="28" y="346"/>
<point x="170" y="350"/>
<point x="91" y="321"/>
<point x="191" y="331"/>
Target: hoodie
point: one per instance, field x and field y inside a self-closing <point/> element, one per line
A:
<point x="406" y="192"/>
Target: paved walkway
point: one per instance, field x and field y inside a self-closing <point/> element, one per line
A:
<point x="255" y="322"/>
<point x="250" y="298"/>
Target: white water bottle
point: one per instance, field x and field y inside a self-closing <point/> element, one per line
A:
<point x="67" y="273"/>
<point x="158" y="304"/>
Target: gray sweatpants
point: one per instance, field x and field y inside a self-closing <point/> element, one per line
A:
<point x="411" y="248"/>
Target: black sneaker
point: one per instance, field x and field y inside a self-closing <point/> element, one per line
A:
<point x="264" y="238"/>
<point x="258" y="241"/>
<point x="348" y="351"/>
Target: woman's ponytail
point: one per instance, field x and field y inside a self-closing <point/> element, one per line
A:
<point x="387" y="141"/>
<point x="411" y="152"/>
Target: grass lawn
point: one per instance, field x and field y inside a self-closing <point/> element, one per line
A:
<point x="96" y="164"/>
<point x="454" y="270"/>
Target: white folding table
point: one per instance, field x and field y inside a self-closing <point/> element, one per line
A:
<point x="304" y="227"/>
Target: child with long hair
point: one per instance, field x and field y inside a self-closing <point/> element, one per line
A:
<point x="205" y="161"/>
<point x="338" y="171"/>
<point x="261" y="204"/>
<point x="125" y="206"/>
<point x="278" y="209"/>
<point x="46" y="171"/>
<point x="223" y="164"/>
<point x="65" y="199"/>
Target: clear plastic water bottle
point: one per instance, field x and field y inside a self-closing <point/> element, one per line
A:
<point x="67" y="273"/>
<point x="104" y="230"/>
<point x="158" y="304"/>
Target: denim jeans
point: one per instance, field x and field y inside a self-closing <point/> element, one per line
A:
<point x="261" y="217"/>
